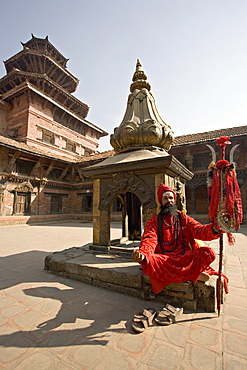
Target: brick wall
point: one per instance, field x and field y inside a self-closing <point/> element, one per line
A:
<point x="4" y="111"/>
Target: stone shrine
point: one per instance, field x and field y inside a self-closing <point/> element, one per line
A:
<point x="141" y="163"/>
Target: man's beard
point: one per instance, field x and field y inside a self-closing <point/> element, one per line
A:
<point x="169" y="210"/>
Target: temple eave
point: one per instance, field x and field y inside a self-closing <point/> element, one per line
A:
<point x="141" y="161"/>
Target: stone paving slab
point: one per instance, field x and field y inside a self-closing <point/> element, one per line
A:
<point x="51" y="322"/>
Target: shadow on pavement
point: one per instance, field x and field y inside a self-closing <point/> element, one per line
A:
<point x="89" y="315"/>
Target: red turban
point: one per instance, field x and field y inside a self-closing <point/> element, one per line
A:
<point x="162" y="189"/>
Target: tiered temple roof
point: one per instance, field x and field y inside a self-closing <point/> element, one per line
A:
<point x="41" y="68"/>
<point x="41" y="64"/>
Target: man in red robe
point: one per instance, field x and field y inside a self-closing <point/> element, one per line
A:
<point x="168" y="251"/>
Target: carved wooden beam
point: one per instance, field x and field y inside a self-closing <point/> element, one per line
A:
<point x="12" y="161"/>
<point x="56" y="94"/>
<point x="49" y="70"/>
<point x="71" y="105"/>
<point x="80" y="174"/>
<point x="31" y="66"/>
<point x="77" y="109"/>
<point x="67" y="84"/>
<point x="70" y="119"/>
<point x="36" y="166"/>
<point x="75" y="126"/>
<point x="49" y="169"/>
<point x="63" y="174"/>
<point x="64" y="80"/>
<point x="63" y="115"/>
<point x="52" y="91"/>
<point x="73" y="173"/>
<point x="52" y="71"/>
<point x="40" y="65"/>
<point x="60" y="78"/>
<point x="12" y="84"/>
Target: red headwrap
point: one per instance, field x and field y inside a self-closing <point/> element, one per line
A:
<point x="162" y="189"/>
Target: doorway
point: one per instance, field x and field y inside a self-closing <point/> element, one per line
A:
<point x="22" y="203"/>
<point x="56" y="203"/>
<point x="134" y="216"/>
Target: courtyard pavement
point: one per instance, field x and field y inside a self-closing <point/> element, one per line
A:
<point x="50" y="322"/>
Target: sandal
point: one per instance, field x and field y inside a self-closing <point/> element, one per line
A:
<point x="168" y="315"/>
<point x="176" y="311"/>
<point x="143" y="319"/>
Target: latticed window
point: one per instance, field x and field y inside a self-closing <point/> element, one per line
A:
<point x="70" y="147"/>
<point x="48" y="137"/>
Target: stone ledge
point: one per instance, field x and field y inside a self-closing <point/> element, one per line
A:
<point x="122" y="275"/>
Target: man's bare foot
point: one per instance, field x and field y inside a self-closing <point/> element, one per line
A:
<point x="203" y="277"/>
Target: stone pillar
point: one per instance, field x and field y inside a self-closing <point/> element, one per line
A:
<point x="104" y="228"/>
<point x="96" y="212"/>
<point x="101" y="219"/>
<point x="2" y="188"/>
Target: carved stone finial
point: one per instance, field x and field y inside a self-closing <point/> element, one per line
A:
<point x="139" y="78"/>
<point x="142" y="125"/>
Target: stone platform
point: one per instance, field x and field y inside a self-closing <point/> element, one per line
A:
<point x="112" y="268"/>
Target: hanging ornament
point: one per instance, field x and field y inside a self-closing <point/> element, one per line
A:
<point x="225" y="198"/>
<point x="225" y="209"/>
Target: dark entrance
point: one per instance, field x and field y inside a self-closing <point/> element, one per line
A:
<point x="56" y="204"/>
<point x="133" y="208"/>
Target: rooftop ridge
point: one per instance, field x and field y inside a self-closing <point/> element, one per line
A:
<point x="209" y="135"/>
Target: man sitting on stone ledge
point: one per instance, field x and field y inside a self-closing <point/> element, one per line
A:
<point x="168" y="250"/>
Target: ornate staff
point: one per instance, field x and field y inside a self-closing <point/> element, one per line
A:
<point x="225" y="209"/>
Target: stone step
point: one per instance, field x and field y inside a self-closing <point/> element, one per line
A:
<point x="117" y="272"/>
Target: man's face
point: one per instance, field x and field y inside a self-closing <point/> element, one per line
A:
<point x="168" y="199"/>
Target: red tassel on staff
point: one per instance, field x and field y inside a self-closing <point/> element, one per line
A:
<point x="225" y="208"/>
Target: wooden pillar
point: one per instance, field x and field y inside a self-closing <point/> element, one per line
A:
<point x="193" y="201"/>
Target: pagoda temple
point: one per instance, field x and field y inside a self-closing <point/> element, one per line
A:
<point x="38" y="88"/>
<point x="44" y="135"/>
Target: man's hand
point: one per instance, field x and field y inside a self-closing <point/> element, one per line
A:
<point x="137" y="256"/>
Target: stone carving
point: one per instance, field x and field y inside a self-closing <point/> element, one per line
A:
<point x="189" y="159"/>
<point x="127" y="182"/>
<point x="179" y="188"/>
<point x="25" y="187"/>
<point x="148" y="213"/>
<point x="142" y="125"/>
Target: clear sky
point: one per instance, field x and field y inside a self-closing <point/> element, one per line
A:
<point x="194" y="53"/>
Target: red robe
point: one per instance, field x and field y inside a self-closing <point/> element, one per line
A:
<point x="175" y="267"/>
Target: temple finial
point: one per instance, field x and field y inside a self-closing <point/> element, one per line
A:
<point x="138" y="66"/>
<point x="142" y="125"/>
<point x="139" y="78"/>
